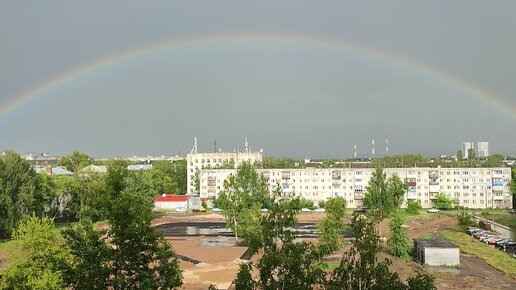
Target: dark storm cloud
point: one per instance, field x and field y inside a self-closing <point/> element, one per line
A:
<point x="288" y="98"/>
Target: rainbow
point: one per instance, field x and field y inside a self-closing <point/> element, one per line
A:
<point x="14" y="102"/>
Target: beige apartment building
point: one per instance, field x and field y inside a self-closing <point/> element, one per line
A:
<point x="470" y="187"/>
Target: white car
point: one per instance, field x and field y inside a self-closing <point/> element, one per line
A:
<point x="305" y="209"/>
<point x="433" y="210"/>
<point x="264" y="210"/>
<point x="180" y="209"/>
<point x="216" y="209"/>
<point x="319" y="210"/>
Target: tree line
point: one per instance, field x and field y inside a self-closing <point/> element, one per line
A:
<point x="24" y="192"/>
<point x="126" y="254"/>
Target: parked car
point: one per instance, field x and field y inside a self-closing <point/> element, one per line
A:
<point x="472" y="229"/>
<point x="264" y="210"/>
<point x="510" y="246"/>
<point x="180" y="209"/>
<point x="360" y="209"/>
<point x="492" y="240"/>
<point x="499" y="244"/>
<point x="433" y="210"/>
<point x="319" y="210"/>
<point x="486" y="237"/>
<point x="216" y="209"/>
<point x="477" y="235"/>
<point x="305" y="209"/>
<point x="514" y="255"/>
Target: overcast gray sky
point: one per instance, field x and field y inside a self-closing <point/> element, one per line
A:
<point x="287" y="91"/>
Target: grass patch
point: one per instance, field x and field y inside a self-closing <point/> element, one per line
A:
<point x="501" y="217"/>
<point x="490" y="255"/>
<point x="8" y="245"/>
<point x="426" y="236"/>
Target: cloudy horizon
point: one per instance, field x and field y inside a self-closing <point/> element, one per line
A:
<point x="298" y="78"/>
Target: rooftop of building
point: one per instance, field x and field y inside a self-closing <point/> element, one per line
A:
<point x="435" y="243"/>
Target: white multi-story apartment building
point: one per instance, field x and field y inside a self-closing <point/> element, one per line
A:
<point x="483" y="149"/>
<point x="198" y="161"/>
<point x="469" y="187"/>
<point x="465" y="148"/>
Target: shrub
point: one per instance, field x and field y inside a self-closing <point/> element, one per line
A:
<point x="413" y="207"/>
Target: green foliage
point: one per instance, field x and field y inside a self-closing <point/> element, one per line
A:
<point x="19" y="195"/>
<point x="285" y="264"/>
<point x="174" y="174"/>
<point x="441" y="201"/>
<point x="328" y="163"/>
<point x="398" y="241"/>
<point x="306" y="203"/>
<point x="243" y="196"/>
<point x="271" y="162"/>
<point x="464" y="219"/>
<point x="117" y="172"/>
<point x="405" y="160"/>
<point x="331" y="227"/>
<point x="360" y="267"/>
<point x="75" y="161"/>
<point x="512" y="183"/>
<point x="384" y="195"/>
<point x="244" y="279"/>
<point x="321" y="204"/>
<point x="43" y="258"/>
<point x="131" y="254"/>
<point x="421" y="282"/>
<point x="413" y="207"/>
<point x="90" y="257"/>
<point x="459" y="156"/>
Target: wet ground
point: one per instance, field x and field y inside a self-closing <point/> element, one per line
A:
<point x="217" y="229"/>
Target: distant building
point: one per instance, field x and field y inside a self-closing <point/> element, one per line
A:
<point x="467" y="187"/>
<point x="436" y="252"/>
<point x="170" y="201"/>
<point x="42" y="159"/>
<point x="94" y="169"/>
<point x="465" y="148"/>
<point x="138" y="167"/>
<point x="197" y="161"/>
<point x="59" y="170"/>
<point x="483" y="149"/>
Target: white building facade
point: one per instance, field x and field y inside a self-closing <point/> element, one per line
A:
<point x="468" y="187"/>
<point x="465" y="148"/>
<point x="483" y="149"/>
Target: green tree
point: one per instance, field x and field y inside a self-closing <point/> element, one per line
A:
<point x="464" y="219"/>
<point x="131" y="254"/>
<point x="243" y="196"/>
<point x="398" y="241"/>
<point x="441" y="201"/>
<point x="331" y="227"/>
<point x="285" y="264"/>
<point x="75" y="161"/>
<point x="90" y="251"/>
<point x="116" y="176"/>
<point x="42" y="261"/>
<point x="512" y="183"/>
<point x="413" y="207"/>
<point x="459" y="156"/>
<point x="328" y="163"/>
<point x="18" y="191"/>
<point x="384" y="195"/>
<point x="176" y="171"/>
<point x="361" y="269"/>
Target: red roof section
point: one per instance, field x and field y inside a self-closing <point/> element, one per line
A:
<point x="172" y="198"/>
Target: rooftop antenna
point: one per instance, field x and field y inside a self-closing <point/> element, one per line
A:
<point x="372" y="149"/>
<point x="215" y="146"/>
<point x="194" y="149"/>
<point x="246" y="146"/>
<point x="355" y="151"/>
<point x="386" y="147"/>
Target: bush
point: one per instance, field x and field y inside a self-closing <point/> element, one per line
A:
<point x="413" y="207"/>
<point x="465" y="219"/>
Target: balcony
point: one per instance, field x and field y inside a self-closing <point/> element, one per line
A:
<point x="285" y="175"/>
<point x="359" y="195"/>
<point x="336" y="175"/>
<point x="434" y="188"/>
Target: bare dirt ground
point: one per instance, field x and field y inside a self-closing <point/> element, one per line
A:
<point x="220" y="264"/>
